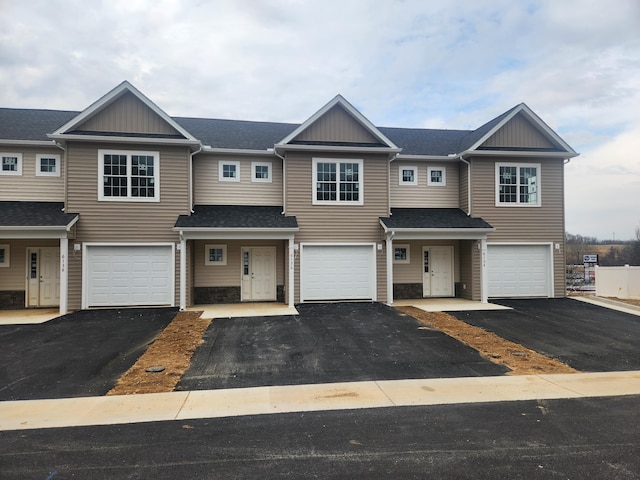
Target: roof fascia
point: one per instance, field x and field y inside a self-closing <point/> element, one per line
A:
<point x="236" y="151"/>
<point x="439" y="158"/>
<point x="145" y="140"/>
<point x="339" y="99"/>
<point x="534" y="119"/>
<point x="329" y="148"/>
<point x="30" y="143"/>
<point x="204" y="233"/>
<point x="114" y="94"/>
<point x="518" y="153"/>
<point x="35" y="232"/>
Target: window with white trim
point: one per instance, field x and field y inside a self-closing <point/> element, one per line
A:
<point x="261" y="172"/>
<point x="337" y="181"/>
<point x="10" y="164"/>
<point x="47" y="165"/>
<point x="128" y="176"/>
<point x="408" y="175"/>
<point x="4" y="255"/>
<point x="437" y="176"/>
<point x="215" y="254"/>
<point x="518" y="184"/>
<point x="228" y="171"/>
<point x="401" y="254"/>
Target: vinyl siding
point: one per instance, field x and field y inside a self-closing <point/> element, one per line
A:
<point x="464" y="187"/>
<point x="412" y="272"/>
<point x="423" y="195"/>
<point x="28" y="186"/>
<point x="14" y="276"/>
<point x="337" y="125"/>
<point x="209" y="190"/>
<point x="338" y="223"/>
<point x="229" y="275"/>
<point x="123" y="222"/>
<point x="128" y="114"/>
<point x="543" y="224"/>
<point x="518" y="132"/>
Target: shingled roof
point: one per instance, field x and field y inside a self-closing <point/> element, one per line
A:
<point x="236" y="216"/>
<point x="34" y="214"/>
<point x="432" y="218"/>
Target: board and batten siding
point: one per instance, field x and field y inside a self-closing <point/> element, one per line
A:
<point x="29" y="186"/>
<point x="423" y="195"/>
<point x="209" y="190"/>
<point x="525" y="224"/>
<point x="339" y="223"/>
<point x="128" y="114"/>
<point x="122" y="221"/>
<point x="518" y="132"/>
<point x="337" y="125"/>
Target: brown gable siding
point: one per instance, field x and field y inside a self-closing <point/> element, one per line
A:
<point x="127" y="114"/>
<point x="525" y="224"/>
<point x="424" y="195"/>
<point x="336" y="126"/>
<point x="208" y="190"/>
<point x="28" y="186"/>
<point x="518" y="132"/>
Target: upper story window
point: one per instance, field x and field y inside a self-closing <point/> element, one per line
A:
<point x="11" y="164"/>
<point x="261" y="172"/>
<point x="408" y="175"/>
<point x="228" y="171"/>
<point x="518" y="184"/>
<point x="47" y="165"/>
<point x="437" y="176"/>
<point x="129" y="176"/>
<point x="337" y="181"/>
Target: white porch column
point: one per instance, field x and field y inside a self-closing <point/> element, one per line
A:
<point x="484" y="275"/>
<point x="389" y="268"/>
<point x="291" y="284"/>
<point x="64" y="275"/>
<point x="183" y="272"/>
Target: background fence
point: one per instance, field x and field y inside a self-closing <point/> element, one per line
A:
<point x="620" y="282"/>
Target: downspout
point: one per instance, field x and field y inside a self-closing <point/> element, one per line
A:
<point x="284" y="180"/>
<point x="468" y="184"/>
<point x="191" y="155"/>
<point x="391" y="159"/>
<point x="66" y="177"/>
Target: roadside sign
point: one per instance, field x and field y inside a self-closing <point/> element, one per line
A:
<point x="590" y="259"/>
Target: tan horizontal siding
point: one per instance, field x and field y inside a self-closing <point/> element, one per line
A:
<point x="28" y="186"/>
<point x="423" y="195"/>
<point x="518" y="132"/>
<point x="128" y="114"/>
<point x="337" y="125"/>
<point x="208" y="190"/>
<point x="412" y="272"/>
<point x="464" y="187"/>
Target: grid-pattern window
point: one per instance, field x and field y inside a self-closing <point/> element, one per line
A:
<point x="11" y="164"/>
<point x="48" y="165"/>
<point x="132" y="176"/>
<point x="261" y="172"/>
<point x="4" y="255"/>
<point x="436" y="176"/>
<point x="228" y="171"/>
<point x="408" y="175"/>
<point x="215" y="255"/>
<point x="401" y="254"/>
<point x="518" y="184"/>
<point x="337" y="181"/>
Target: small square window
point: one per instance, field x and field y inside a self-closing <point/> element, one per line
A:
<point x="401" y="254"/>
<point x="228" y="171"/>
<point x="261" y="172"/>
<point x="408" y="175"/>
<point x="436" y="176"/>
<point x="215" y="255"/>
<point x="47" y="165"/>
<point x="4" y="255"/>
<point x="11" y="164"/>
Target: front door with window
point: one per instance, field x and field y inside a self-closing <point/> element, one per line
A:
<point x="259" y="274"/>
<point x="437" y="271"/>
<point x="43" y="277"/>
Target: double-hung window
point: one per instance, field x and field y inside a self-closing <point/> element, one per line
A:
<point x="10" y="164"/>
<point x="337" y="181"/>
<point x="518" y="184"/>
<point x="129" y="176"/>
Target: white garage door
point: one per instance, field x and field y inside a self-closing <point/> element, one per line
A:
<point x="337" y="272"/>
<point x="519" y="271"/>
<point x="129" y="275"/>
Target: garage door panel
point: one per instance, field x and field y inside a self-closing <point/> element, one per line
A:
<point x="129" y="275"/>
<point x="519" y="270"/>
<point x="338" y="272"/>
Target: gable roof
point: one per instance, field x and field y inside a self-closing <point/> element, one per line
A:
<point x="106" y="100"/>
<point x="339" y="100"/>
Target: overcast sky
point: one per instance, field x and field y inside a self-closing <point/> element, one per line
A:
<point x="425" y="63"/>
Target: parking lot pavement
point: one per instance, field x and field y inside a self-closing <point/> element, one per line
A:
<point x="328" y="343"/>
<point x="80" y="354"/>
<point x="587" y="337"/>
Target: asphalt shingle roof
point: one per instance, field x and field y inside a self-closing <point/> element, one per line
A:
<point x="236" y="216"/>
<point x="34" y="214"/>
<point x="432" y="218"/>
<point x="27" y="124"/>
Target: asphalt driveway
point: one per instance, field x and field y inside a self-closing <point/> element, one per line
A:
<point x="587" y="337"/>
<point x="325" y="343"/>
<point x="80" y="354"/>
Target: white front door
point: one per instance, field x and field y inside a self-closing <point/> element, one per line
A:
<point x="259" y="273"/>
<point x="437" y="271"/>
<point x="43" y="277"/>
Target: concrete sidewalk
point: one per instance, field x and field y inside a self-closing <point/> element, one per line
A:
<point x="72" y="412"/>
